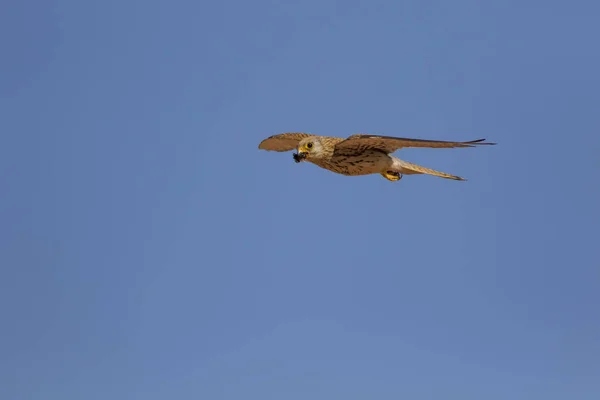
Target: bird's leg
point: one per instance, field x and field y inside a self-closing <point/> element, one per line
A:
<point x="392" y="175"/>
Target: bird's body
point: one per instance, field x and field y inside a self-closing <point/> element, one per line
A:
<point x="359" y="154"/>
<point x="369" y="162"/>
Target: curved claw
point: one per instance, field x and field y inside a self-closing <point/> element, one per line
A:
<point x="392" y="175"/>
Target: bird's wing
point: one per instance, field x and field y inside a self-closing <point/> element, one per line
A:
<point x="283" y="141"/>
<point x="390" y="144"/>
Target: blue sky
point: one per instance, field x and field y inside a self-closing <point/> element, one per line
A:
<point x="149" y="250"/>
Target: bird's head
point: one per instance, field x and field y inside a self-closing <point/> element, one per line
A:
<point x="309" y="148"/>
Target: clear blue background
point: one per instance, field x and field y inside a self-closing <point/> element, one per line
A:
<point x="149" y="250"/>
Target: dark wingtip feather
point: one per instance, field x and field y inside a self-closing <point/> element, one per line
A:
<point x="479" y="141"/>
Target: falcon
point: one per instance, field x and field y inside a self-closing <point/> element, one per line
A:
<point x="360" y="154"/>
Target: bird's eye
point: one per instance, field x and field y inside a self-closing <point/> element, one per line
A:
<point x="309" y="145"/>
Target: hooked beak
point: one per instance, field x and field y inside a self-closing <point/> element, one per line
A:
<point x="301" y="155"/>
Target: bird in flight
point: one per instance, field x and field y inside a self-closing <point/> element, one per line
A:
<point x="360" y="154"/>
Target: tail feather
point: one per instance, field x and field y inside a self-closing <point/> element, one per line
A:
<point x="407" y="168"/>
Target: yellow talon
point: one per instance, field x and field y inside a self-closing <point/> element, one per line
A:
<point x="392" y="176"/>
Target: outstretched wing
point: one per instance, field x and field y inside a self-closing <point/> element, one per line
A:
<point x="390" y="144"/>
<point x="283" y="141"/>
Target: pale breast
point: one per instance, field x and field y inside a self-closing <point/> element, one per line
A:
<point x="369" y="162"/>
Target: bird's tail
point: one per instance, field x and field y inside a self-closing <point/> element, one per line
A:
<point x="407" y="168"/>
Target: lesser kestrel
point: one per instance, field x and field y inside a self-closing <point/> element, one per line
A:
<point x="360" y="154"/>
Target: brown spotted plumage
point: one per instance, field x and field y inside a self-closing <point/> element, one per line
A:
<point x="360" y="154"/>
